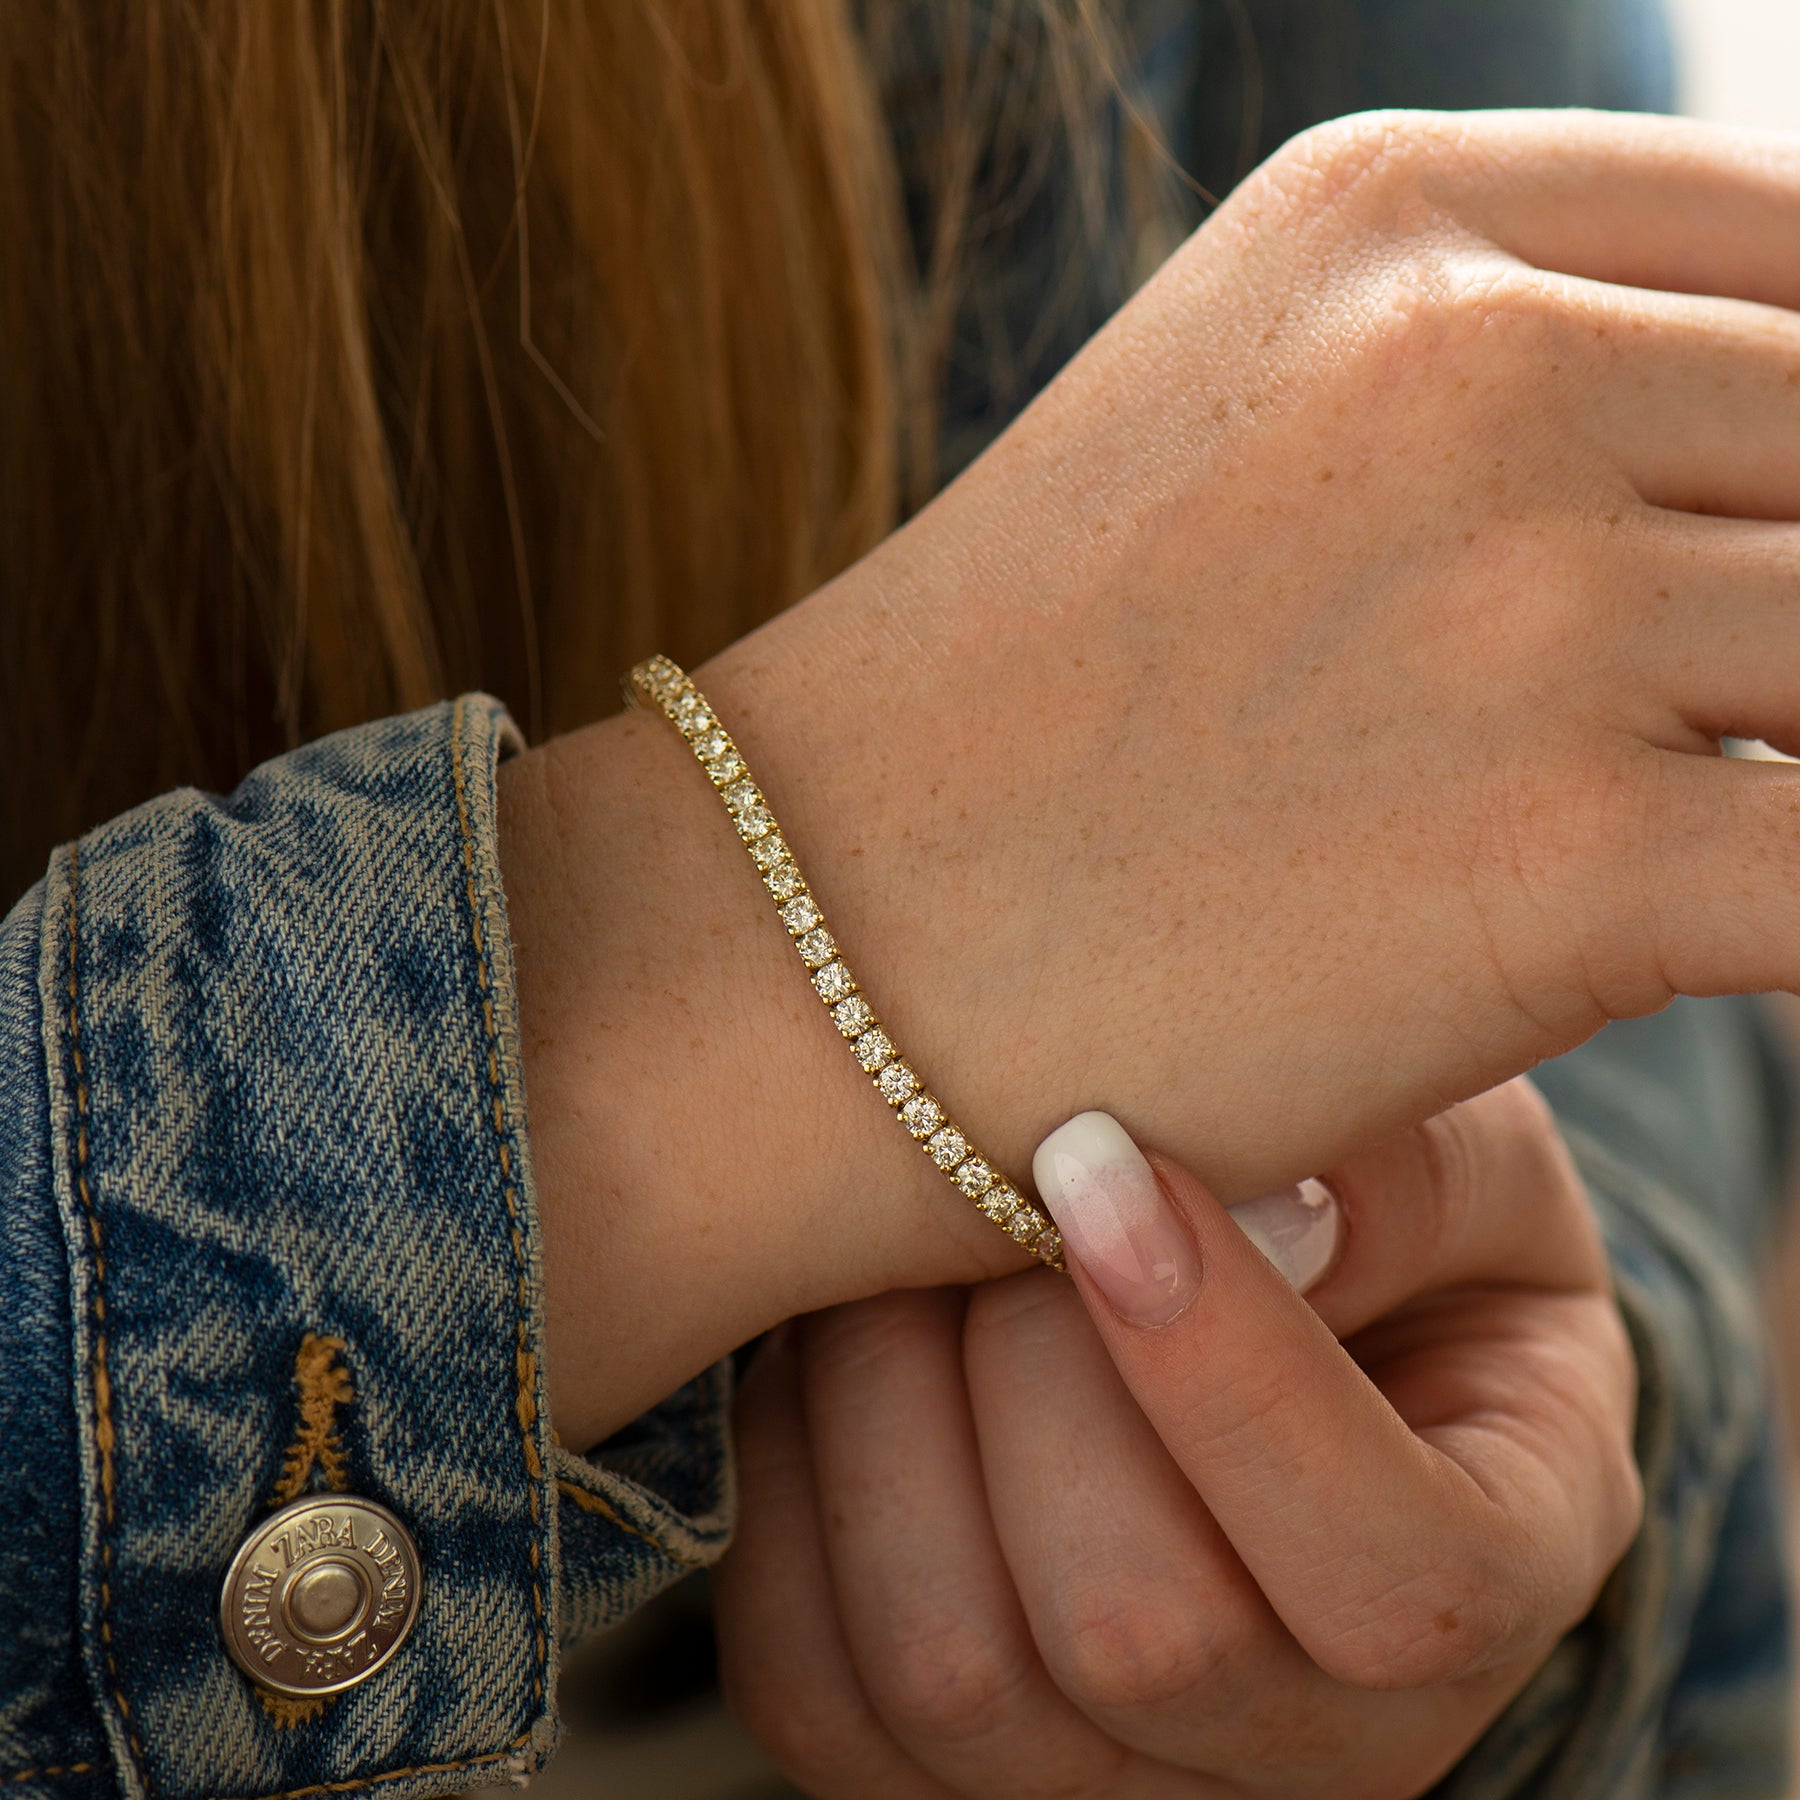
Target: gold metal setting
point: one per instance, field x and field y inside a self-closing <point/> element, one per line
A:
<point x="658" y="685"/>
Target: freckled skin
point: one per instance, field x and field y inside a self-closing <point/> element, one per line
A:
<point x="1277" y="814"/>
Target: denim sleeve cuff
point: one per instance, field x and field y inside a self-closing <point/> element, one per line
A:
<point x="283" y="1122"/>
<point x="1606" y="1714"/>
<point x="652" y="1503"/>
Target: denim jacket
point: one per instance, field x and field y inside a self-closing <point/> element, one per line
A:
<point x="269" y="1227"/>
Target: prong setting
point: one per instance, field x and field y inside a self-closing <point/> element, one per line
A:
<point x="659" y="685"/>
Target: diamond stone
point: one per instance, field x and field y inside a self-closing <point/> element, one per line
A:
<point x="753" y="821"/>
<point x="834" y="981"/>
<point x="800" y="915"/>
<point x="727" y="769"/>
<point x="897" y="1082"/>
<point x="999" y="1201"/>
<point x="873" y="1048"/>
<point x="974" y="1177"/>
<point x="768" y="850"/>
<point x="948" y="1148"/>
<point x="693" y="715"/>
<point x="1024" y="1225"/>
<point x="817" y="947"/>
<point x="783" y="881"/>
<point x="853" y="1017"/>
<point x="741" y="794"/>
<point x="921" y="1115"/>
<point x="710" y="744"/>
<point x="1049" y="1246"/>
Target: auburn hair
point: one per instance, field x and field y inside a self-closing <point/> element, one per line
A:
<point x="358" y="352"/>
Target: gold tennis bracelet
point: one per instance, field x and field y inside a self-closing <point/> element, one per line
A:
<point x="658" y="684"/>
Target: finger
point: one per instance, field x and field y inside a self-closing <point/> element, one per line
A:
<point x="1634" y="199"/>
<point x="1533" y="1396"/>
<point x="782" y="1660"/>
<point x="930" y="1613"/>
<point x="1391" y="1564"/>
<point x="1142" y="1610"/>
<point x="1484" y="1192"/>
<point x="1700" y="416"/>
<point x="1144" y="1614"/>
<point x="1715" y="625"/>
<point x="1722" y="866"/>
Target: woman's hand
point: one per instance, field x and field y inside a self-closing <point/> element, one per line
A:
<point x="1307" y="714"/>
<point x="988" y="1550"/>
<point x="1304" y="717"/>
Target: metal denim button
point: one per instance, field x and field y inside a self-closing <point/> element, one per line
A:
<point x="320" y="1595"/>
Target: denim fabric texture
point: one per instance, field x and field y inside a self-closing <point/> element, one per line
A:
<point x="259" y="1086"/>
<point x="262" y="1081"/>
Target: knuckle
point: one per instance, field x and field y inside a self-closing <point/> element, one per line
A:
<point x="866" y="1334"/>
<point x="1477" y="1149"/>
<point x="1326" y="164"/>
<point x="1022" y="1312"/>
<point x="1522" y="1103"/>
<point x="1609" y="853"/>
<point x="817" y="1751"/>
<point x="1115" y="1652"/>
<point x="1342" y="189"/>
<point x="1485" y="328"/>
<point x="1610" y="1397"/>
<point x="1511" y="1116"/>
<point x="866" y="1346"/>
<point x="1439" y="1627"/>
<point x="812" y="1743"/>
<point x="1449" y="1161"/>
<point x="1624" y="1484"/>
<point x="1569" y="929"/>
<point x="1491" y="294"/>
<point x="943" y="1679"/>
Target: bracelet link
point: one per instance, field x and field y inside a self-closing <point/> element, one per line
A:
<point x="657" y="684"/>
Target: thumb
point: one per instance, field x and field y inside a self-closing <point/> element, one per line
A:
<point x="1136" y="1250"/>
<point x="1331" y="1502"/>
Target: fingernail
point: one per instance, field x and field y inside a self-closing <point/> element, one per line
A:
<point x="1116" y="1219"/>
<point x="1297" y="1228"/>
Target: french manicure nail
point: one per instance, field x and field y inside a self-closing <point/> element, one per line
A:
<point x="1116" y="1219"/>
<point x="1297" y="1228"/>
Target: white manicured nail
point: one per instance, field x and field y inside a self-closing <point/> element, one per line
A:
<point x="1115" y="1219"/>
<point x="1297" y="1228"/>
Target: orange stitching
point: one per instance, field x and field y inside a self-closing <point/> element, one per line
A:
<point x="324" y="1385"/>
<point x="104" y="1436"/>
<point x="525" y="1363"/>
<point x="288" y="1712"/>
<point x="593" y="1503"/>
<point x="448" y="1768"/>
<point x="51" y="1769"/>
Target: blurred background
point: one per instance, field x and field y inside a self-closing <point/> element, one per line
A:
<point x="1741" y="60"/>
<point x="642" y="1714"/>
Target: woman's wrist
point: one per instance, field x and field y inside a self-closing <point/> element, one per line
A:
<point x="709" y="1159"/>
